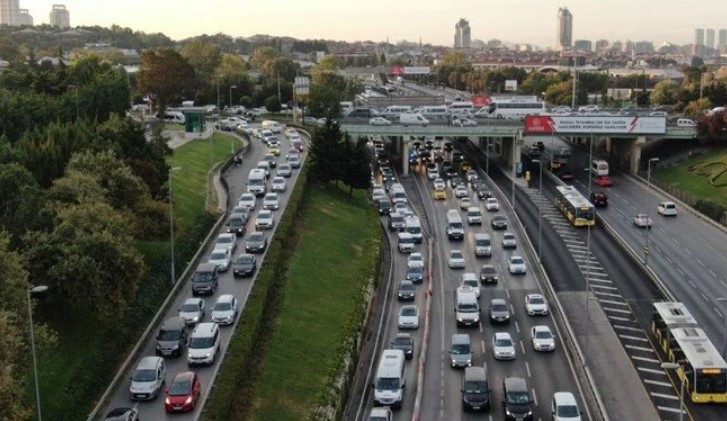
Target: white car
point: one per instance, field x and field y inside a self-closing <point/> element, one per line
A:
<point x="226" y="242"/>
<point x="492" y="205"/>
<point x="456" y="259"/>
<point x="509" y="241"/>
<point x="464" y="122"/>
<point x="284" y="170"/>
<point x="433" y="173"/>
<point x="379" y="121"/>
<point x="460" y="192"/>
<point x="502" y="346"/>
<point x="516" y="265"/>
<point x="225" y="310"/>
<point x="377" y="194"/>
<point x="409" y="317"/>
<point x="247" y="200"/>
<point x="271" y="201"/>
<point x="192" y="311"/>
<point x="543" y="339"/>
<point x="471" y="280"/>
<point x="278" y="184"/>
<point x="536" y="304"/>
<point x="289" y="132"/>
<point x="264" y="220"/>
<point x="667" y="209"/>
<point x="589" y="109"/>
<point x="415" y="260"/>
<point x="472" y="175"/>
<point x="220" y="258"/>
<point x="465" y="203"/>
<point x="642" y="221"/>
<point x="439" y="184"/>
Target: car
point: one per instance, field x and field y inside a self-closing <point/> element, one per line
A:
<point x="225" y="310"/>
<point x="147" y="379"/>
<point x="244" y="265"/>
<point x="498" y="222"/>
<point x="509" y="241"/>
<point x="667" y="209"/>
<point x="492" y="205"/>
<point x="471" y="176"/>
<point x="256" y="242"/>
<point x="461" y="191"/>
<point x="377" y="194"/>
<point x="686" y="122"/>
<point x="456" y="181"/>
<point x="274" y="149"/>
<point x="379" y="121"/>
<point x="294" y="163"/>
<point x="432" y="173"/>
<point x="183" y="393"/>
<point x="566" y="175"/>
<point x="380" y="414"/>
<point x="123" y="414"/>
<point x="439" y="184"/>
<point x="535" y="304"/>
<point x="407" y="291"/>
<point x="415" y="274"/>
<point x="499" y="311"/>
<point x="488" y="274"/>
<point x="226" y="242"/>
<point x="404" y="342"/>
<point x="271" y="201"/>
<point x="440" y="194"/>
<point x="236" y="223"/>
<point x="396" y="221"/>
<point x="278" y="184"/>
<point x="171" y="337"/>
<point x="265" y="166"/>
<point x="220" y="258"/>
<point x="470" y="279"/>
<point x="297" y="144"/>
<point x="456" y="259"/>
<point x="542" y="337"/>
<point x="265" y="220"/>
<point x="284" y="170"/>
<point x="599" y="199"/>
<point x="474" y="215"/>
<point x="642" y="221"/>
<point x="192" y="311"/>
<point x="603" y="181"/>
<point x="460" y="353"/>
<point x="409" y="317"/>
<point x="415" y="260"/>
<point x="565" y="407"/>
<point x="465" y="203"/>
<point x="457" y="157"/>
<point x="589" y="109"/>
<point x="240" y="211"/>
<point x="448" y="147"/>
<point x="247" y="200"/>
<point x="503" y="347"/>
<point x="516" y="265"/>
<point x="464" y="122"/>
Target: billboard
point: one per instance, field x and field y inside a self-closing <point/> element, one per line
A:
<point x="410" y="70"/>
<point x="302" y="85"/>
<point x="596" y="125"/>
<point x="511" y="85"/>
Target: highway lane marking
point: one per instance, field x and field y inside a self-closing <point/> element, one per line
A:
<point x="716" y="310"/>
<point x="648" y="360"/>
<point x="692" y="284"/>
<point x="517" y="326"/>
<point x="658" y="383"/>
<point x="704" y="296"/>
<point x="639" y="348"/>
<point x="681" y="272"/>
<point x="522" y="347"/>
<point x="527" y="368"/>
<point x="608" y="294"/>
<point x="608" y="281"/>
<point x="482" y="342"/>
<point x="578" y="246"/>
<point x="688" y="252"/>
<point x="604" y="287"/>
<point x="535" y="398"/>
<point x="661" y="395"/>
<point x="480" y="327"/>
<point x="723" y="283"/>
<point x="676" y="241"/>
<point x="669" y="409"/>
<point x="699" y="261"/>
<point x="651" y="370"/>
<point x="618" y="310"/>
<point x="633" y="338"/>
<point x="668" y="259"/>
<point x="633" y="329"/>
<point x="599" y="273"/>
<point x="618" y="303"/>
<point x="512" y="309"/>
<point x="711" y="272"/>
<point x="621" y="319"/>
<point x="507" y="292"/>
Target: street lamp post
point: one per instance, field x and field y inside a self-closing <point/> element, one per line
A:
<point x="676" y="366"/>
<point x="173" y="277"/>
<point x="76" y="89"/>
<point x="648" y="212"/>
<point x="231" y="88"/>
<point x="724" y="333"/>
<point x="35" y="290"/>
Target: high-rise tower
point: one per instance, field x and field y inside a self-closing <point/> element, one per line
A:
<point x="462" y="34"/>
<point x="565" y="28"/>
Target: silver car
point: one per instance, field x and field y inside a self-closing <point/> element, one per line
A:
<point x="542" y="337"/>
<point x="271" y="201"/>
<point x="509" y="241"/>
<point x="278" y="184"/>
<point x="225" y="310"/>
<point x="226" y="242"/>
<point x="220" y="258"/>
<point x="192" y="311"/>
<point x="264" y="220"/>
<point x="502" y="346"/>
<point x="247" y="200"/>
<point x="535" y="304"/>
<point x="284" y="170"/>
<point x="516" y="265"/>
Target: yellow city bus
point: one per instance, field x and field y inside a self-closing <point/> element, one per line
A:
<point x="579" y="211"/>
<point x="667" y="316"/>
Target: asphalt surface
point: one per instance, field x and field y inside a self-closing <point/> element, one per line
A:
<point x="240" y="288"/>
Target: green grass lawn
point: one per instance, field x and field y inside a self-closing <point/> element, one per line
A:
<point x="324" y="274"/>
<point x="695" y="184"/>
<point x="58" y="366"/>
<point x="174" y="127"/>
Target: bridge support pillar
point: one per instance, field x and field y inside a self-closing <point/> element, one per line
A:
<point x="609" y="146"/>
<point x="404" y="157"/>
<point x="635" y="155"/>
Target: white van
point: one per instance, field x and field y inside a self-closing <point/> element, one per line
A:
<point x="393" y="111"/>
<point x="390" y="379"/>
<point x="174" y="117"/>
<point x="433" y="111"/>
<point x="599" y="167"/>
<point x="414" y="228"/>
<point x="256" y="182"/>
<point x="474" y="215"/>
<point x="455" y="227"/>
<point x="406" y="243"/>
<point x="273" y="126"/>
<point x="397" y="194"/>
<point x="466" y="309"/>
<point x="204" y="344"/>
<point x="413" y="119"/>
<point x="483" y="245"/>
<point x="686" y="122"/>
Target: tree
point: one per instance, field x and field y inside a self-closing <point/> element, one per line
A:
<point x="232" y="68"/>
<point x="325" y="70"/>
<point x="165" y="74"/>
<point x="665" y="93"/>
<point x="358" y="168"/>
<point x="560" y="93"/>
<point x="263" y="60"/>
<point x="272" y="104"/>
<point x="326" y="153"/>
<point x="22" y="198"/>
<point x="697" y="107"/>
<point x="203" y="56"/>
<point x="324" y="101"/>
<point x="714" y="126"/>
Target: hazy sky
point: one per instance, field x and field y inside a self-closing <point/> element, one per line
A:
<point x="523" y="21"/>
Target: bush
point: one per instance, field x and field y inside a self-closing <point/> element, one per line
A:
<point x="247" y="101"/>
<point x="273" y="104"/>
<point x="712" y="210"/>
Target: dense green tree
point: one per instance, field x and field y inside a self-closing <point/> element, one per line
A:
<point x="328" y="162"/>
<point x="665" y="93"/>
<point x="358" y="168"/>
<point x="323" y="101"/>
<point x="263" y="60"/>
<point x="697" y="107"/>
<point x="167" y="75"/>
<point x="21" y="198"/>
<point x="272" y="104"/>
<point x="203" y="56"/>
<point x="560" y="93"/>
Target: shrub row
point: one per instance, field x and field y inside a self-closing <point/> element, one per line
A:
<point x="234" y="391"/>
<point x="712" y="210"/>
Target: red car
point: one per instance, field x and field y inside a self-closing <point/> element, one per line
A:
<point x="604" y="181"/>
<point x="183" y="393"/>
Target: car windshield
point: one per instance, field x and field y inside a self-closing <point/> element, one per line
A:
<point x="487" y="269"/>
<point x="201" y="343"/>
<point x="499" y="219"/>
<point x="236" y="222"/>
<point x="503" y="342"/>
<point x="516" y="261"/>
<point x="475" y="387"/>
<point x="568" y="411"/>
<point x="401" y="341"/>
<point x="536" y="300"/>
<point x="543" y="334"/>
<point x="518" y="398"/>
<point x="415" y="270"/>
<point x="408" y="311"/>
<point x="387" y="383"/>
<point x="144" y="375"/>
<point x="218" y="256"/>
<point x="190" y="308"/>
<point x="226" y="306"/>
<point x="461" y="349"/>
<point x="509" y="237"/>
<point x="264" y="215"/>
<point x="471" y="282"/>
<point x="180" y="388"/>
<point x="499" y="308"/>
<point x="244" y="259"/>
<point x="467" y="308"/>
<point x="256" y="237"/>
<point x="406" y="287"/>
<point x="456" y="255"/>
<point x="225" y="240"/>
<point x="169" y="335"/>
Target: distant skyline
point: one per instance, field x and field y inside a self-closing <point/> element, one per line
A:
<point x="517" y="21"/>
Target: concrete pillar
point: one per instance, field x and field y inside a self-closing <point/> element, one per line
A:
<point x="404" y="157"/>
<point x="635" y="153"/>
<point x="609" y="151"/>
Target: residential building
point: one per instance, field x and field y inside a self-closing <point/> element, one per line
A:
<point x="565" y="28"/>
<point x="722" y="37"/>
<point x="59" y="16"/>
<point x="462" y="34"/>
<point x="24" y="18"/>
<point x="601" y="46"/>
<point x="710" y="38"/>
<point x="699" y="36"/>
<point x="582" y="45"/>
<point x="9" y="11"/>
<point x="617" y="47"/>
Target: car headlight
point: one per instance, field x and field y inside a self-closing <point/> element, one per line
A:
<point x="195" y="318"/>
<point x="507" y="412"/>
<point x="175" y="347"/>
<point x="460" y="319"/>
<point x="209" y="354"/>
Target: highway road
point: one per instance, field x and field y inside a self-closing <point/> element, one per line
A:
<point x="240" y="288"/>
<point x="544" y="372"/>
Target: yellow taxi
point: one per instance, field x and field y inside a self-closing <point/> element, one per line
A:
<point x="466" y="166"/>
<point x="440" y="194"/>
<point x="274" y="149"/>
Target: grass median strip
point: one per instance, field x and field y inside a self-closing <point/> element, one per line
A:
<point x="692" y="176"/>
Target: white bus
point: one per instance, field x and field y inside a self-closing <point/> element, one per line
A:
<point x="512" y="108"/>
<point x="599" y="167"/>
<point x="460" y="106"/>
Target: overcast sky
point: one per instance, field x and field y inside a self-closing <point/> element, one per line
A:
<point x="517" y="21"/>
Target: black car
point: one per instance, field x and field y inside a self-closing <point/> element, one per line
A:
<point x="404" y="342"/>
<point x="384" y="206"/>
<point x="484" y="193"/>
<point x="457" y="157"/>
<point x="429" y="145"/>
<point x="456" y="181"/>
<point x="488" y="274"/>
<point x="407" y="291"/>
<point x="256" y="242"/>
<point x="448" y="146"/>
<point x="599" y="199"/>
<point x="244" y="265"/>
<point x="566" y="175"/>
<point x="415" y="274"/>
<point x="236" y="224"/>
<point x="425" y="156"/>
<point x="271" y="159"/>
<point x="123" y="414"/>
<point x="498" y="222"/>
<point x="172" y="337"/>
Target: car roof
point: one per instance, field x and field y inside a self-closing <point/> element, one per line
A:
<point x="502" y="335"/>
<point x="534" y="296"/>
<point x="184" y="376"/>
<point x="225" y="298"/>
<point x="564" y="398"/>
<point x="498" y="301"/>
<point x="516" y="384"/>
<point x="148" y="363"/>
<point x="542" y="328"/>
<point x="173" y="323"/>
<point x="192" y="300"/>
